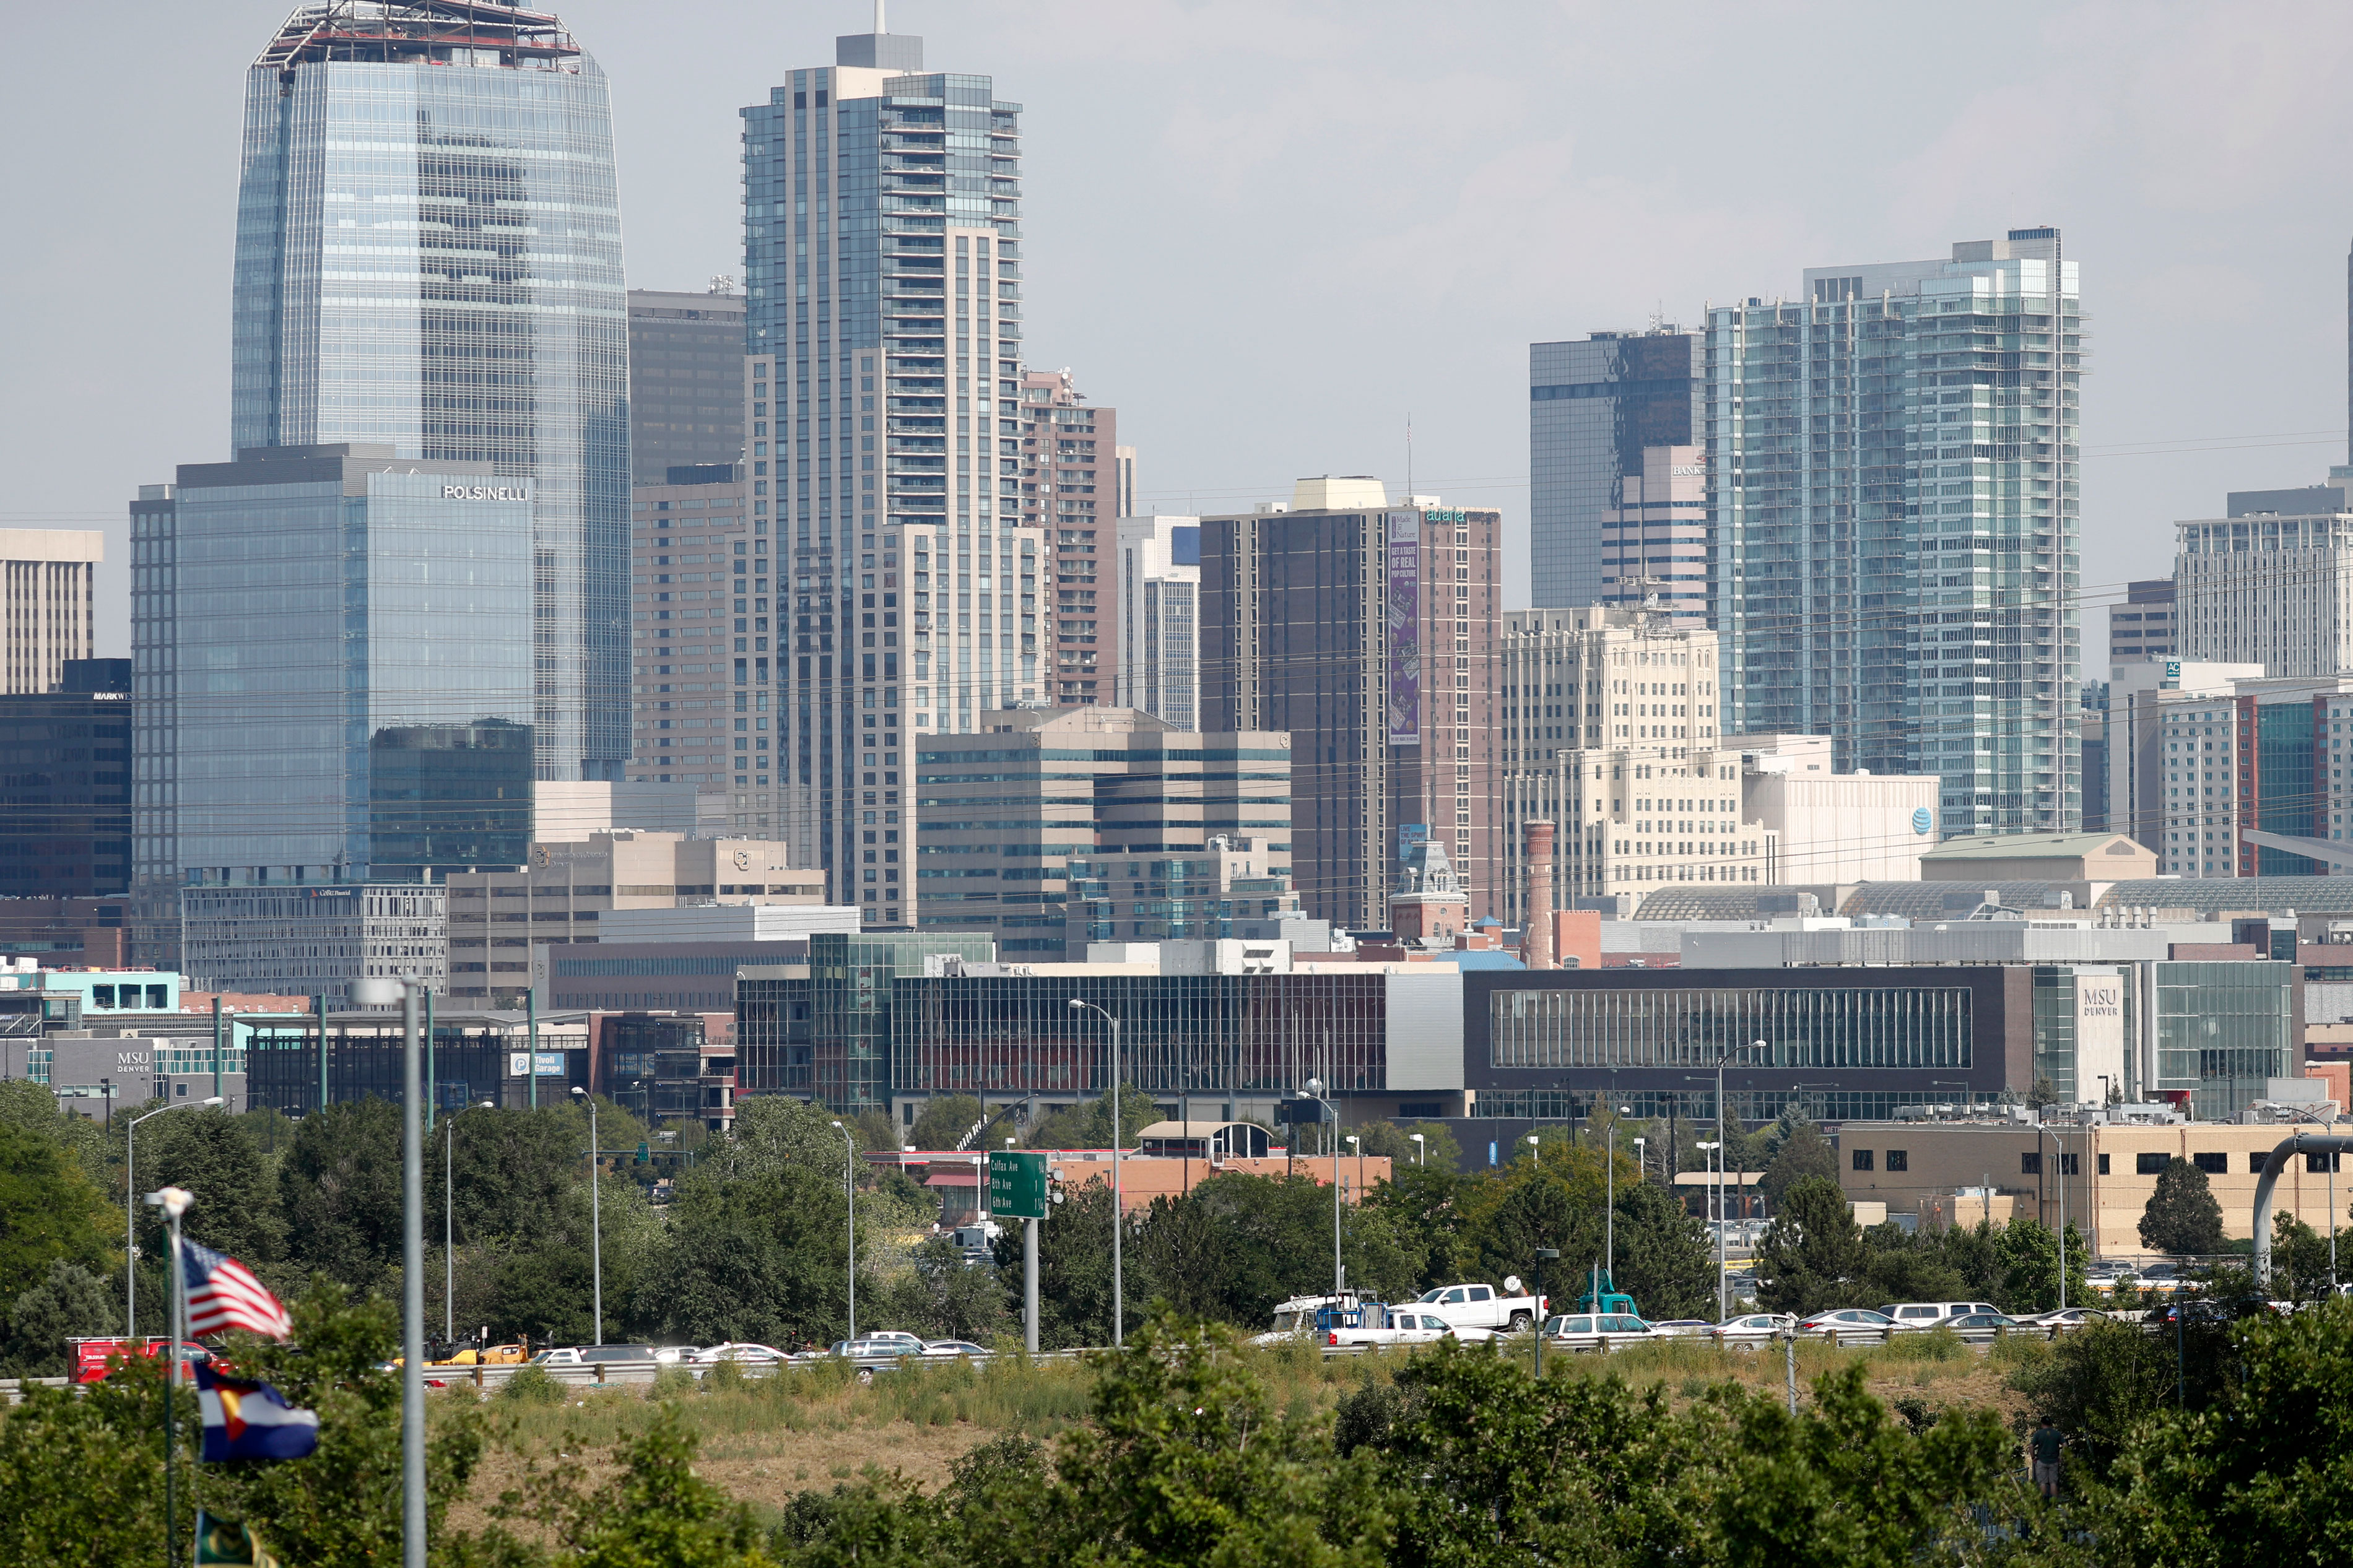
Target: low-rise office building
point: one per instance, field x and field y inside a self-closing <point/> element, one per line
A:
<point x="1047" y="831"/>
<point x="497" y="917"/>
<point x="2098" y="1176"/>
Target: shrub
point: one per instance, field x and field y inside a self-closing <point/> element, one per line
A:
<point x="532" y="1385"/>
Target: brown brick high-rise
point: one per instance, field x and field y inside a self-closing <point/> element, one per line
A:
<point x="1369" y="631"/>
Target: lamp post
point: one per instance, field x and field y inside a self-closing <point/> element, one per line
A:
<point x="595" y="1213"/>
<point x="130" y="1218"/>
<point x="1313" y="1089"/>
<point x="174" y="1202"/>
<point x="376" y="991"/>
<point x="1356" y="1147"/>
<point x="1535" y="1151"/>
<point x="1420" y="1148"/>
<point x="850" y="1187"/>
<point x="1543" y="1255"/>
<point x="1716" y="1153"/>
<point x="449" y="1232"/>
<point x="1118" y="1199"/>
<point x="1610" y="1203"/>
<point x="1641" y="1158"/>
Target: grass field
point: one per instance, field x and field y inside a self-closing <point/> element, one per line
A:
<point x="766" y="1438"/>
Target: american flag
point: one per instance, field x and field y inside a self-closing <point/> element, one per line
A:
<point x="224" y="1294"/>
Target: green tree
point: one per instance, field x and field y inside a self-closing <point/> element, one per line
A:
<point x="1663" y="1256"/>
<point x="945" y="1120"/>
<point x="49" y="1213"/>
<point x="773" y="1132"/>
<point x="31" y="1106"/>
<point x="1073" y="1270"/>
<point x="2300" y="1263"/>
<point x="942" y="1297"/>
<point x="1396" y="1144"/>
<point x="1420" y="1203"/>
<point x="760" y="1259"/>
<point x="1801" y="1151"/>
<point x="1901" y="1267"/>
<point x="215" y="1156"/>
<point x="1087" y="1125"/>
<point x="2182" y="1217"/>
<point x="339" y="1193"/>
<point x="70" y="1301"/>
<point x="2030" y="1273"/>
<point x="2099" y="1386"/>
<point x="1239" y="1244"/>
<point x="1812" y="1255"/>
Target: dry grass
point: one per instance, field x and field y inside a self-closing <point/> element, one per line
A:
<point x="814" y="1427"/>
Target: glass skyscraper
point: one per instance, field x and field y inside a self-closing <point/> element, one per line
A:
<point x="882" y="265"/>
<point x="1595" y="406"/>
<point x="1896" y="470"/>
<point x="428" y="256"/>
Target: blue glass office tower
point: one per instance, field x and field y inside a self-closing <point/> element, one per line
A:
<point x="1594" y="407"/>
<point x="428" y="256"/>
<point x="1895" y="472"/>
<point x="883" y="260"/>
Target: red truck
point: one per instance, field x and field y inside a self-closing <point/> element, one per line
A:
<point x="91" y="1354"/>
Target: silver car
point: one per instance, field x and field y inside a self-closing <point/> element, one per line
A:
<point x="1753" y="1331"/>
<point x="1599" y="1330"/>
<point x="1849" y="1326"/>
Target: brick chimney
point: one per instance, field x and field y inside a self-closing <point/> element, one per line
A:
<point x="1535" y="924"/>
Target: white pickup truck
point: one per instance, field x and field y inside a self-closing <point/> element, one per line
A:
<point x="1482" y="1306"/>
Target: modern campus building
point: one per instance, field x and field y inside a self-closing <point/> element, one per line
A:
<point x="1369" y="634"/>
<point x="1049" y="830"/>
<point x="882" y="271"/>
<point x="1895" y="470"/>
<point x="2272" y="583"/>
<point x="428" y="258"/>
<point x="48" y="596"/>
<point x="686" y="381"/>
<point x="1159" y="581"/>
<point x="1071" y="468"/>
<point x="1605" y="415"/>
<point x="65" y="787"/>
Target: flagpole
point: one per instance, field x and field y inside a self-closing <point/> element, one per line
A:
<point x="174" y="1202"/>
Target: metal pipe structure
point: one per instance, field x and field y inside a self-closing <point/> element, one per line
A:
<point x="2301" y="1144"/>
<point x="371" y="992"/>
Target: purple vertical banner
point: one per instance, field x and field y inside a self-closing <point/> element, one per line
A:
<point x="1404" y="628"/>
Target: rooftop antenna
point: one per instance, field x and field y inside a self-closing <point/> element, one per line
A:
<point x="1408" y="457"/>
<point x="878" y="17"/>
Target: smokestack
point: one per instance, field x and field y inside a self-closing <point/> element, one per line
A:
<point x="1536" y="942"/>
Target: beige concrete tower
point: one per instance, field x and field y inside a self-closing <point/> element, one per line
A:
<point x="51" y="583"/>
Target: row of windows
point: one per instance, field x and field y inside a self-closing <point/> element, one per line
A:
<point x="2149" y="1163"/>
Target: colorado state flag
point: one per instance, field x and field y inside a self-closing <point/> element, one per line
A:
<point x="245" y="1420"/>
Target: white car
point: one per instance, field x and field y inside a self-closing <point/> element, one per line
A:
<point x="1921" y="1315"/>
<point x="672" y="1356"/>
<point x="1685" y="1328"/>
<point x="1753" y="1331"/>
<point x="741" y="1353"/>
<point x="2066" y="1319"/>
<point x="1296" y="1318"/>
<point x="592" y="1355"/>
<point x="1850" y="1326"/>
<point x="1407" y="1326"/>
<point x="1600" y="1330"/>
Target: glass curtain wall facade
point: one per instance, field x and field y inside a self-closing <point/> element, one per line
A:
<point x="357" y="703"/>
<point x="882" y="265"/>
<point x="1896" y="464"/>
<point x="429" y="256"/>
<point x="2221" y="1029"/>
<point x="1593" y="407"/>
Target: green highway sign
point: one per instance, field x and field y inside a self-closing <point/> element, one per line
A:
<point x="1016" y="1183"/>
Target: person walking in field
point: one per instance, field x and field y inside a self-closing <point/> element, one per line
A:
<point x="2042" y="1445"/>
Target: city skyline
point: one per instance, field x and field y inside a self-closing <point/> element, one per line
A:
<point x="1473" y="274"/>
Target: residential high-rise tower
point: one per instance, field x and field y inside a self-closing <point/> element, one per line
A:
<point x="1895" y="476"/>
<point x="883" y="267"/>
<point x="50" y="580"/>
<point x="428" y="257"/>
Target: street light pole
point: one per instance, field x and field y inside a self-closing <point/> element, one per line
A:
<point x="1722" y="1303"/>
<point x="371" y="992"/>
<point x="130" y="1217"/>
<point x="1313" y="1089"/>
<point x="595" y="1213"/>
<point x="850" y="1187"/>
<point x="1420" y="1148"/>
<point x="1118" y="1198"/>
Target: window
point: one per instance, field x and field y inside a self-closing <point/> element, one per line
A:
<point x="2212" y="1164"/>
<point x="2317" y="1164"/>
<point x="2149" y="1165"/>
<point x="1863" y="1159"/>
<point x="1898" y="1160"/>
<point x="2030" y="1165"/>
<point x="2104" y="1164"/>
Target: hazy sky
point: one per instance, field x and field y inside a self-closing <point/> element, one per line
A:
<point x="1269" y="232"/>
